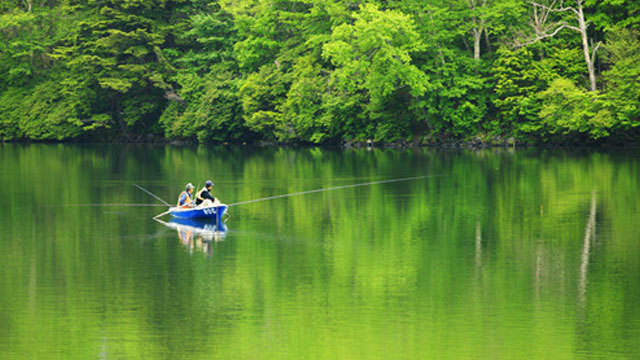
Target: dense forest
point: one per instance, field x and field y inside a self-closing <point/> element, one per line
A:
<point x="321" y="71"/>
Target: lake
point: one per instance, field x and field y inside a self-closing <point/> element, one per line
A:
<point x="492" y="254"/>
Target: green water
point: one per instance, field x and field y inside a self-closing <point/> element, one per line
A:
<point x="499" y="255"/>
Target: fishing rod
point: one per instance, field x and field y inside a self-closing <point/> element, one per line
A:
<point x="157" y="198"/>
<point x="150" y="193"/>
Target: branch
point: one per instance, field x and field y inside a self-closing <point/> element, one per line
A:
<point x="593" y="51"/>
<point x="545" y="15"/>
<point x="539" y="36"/>
<point x="542" y="6"/>
<point x="538" y="23"/>
<point x="551" y="8"/>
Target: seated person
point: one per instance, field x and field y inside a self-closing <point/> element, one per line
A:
<point x="185" y="200"/>
<point x="204" y="196"/>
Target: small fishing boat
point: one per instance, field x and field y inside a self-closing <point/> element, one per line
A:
<point x="215" y="211"/>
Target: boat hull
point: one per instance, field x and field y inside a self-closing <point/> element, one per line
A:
<point x="210" y="212"/>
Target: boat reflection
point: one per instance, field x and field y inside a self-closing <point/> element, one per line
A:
<point x="197" y="234"/>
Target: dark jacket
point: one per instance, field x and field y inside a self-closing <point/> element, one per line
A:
<point x="204" y="194"/>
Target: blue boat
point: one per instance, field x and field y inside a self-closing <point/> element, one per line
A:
<point x="207" y="212"/>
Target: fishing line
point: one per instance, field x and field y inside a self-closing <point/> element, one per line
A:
<point x="149" y="192"/>
<point x="114" y="205"/>
<point x="334" y="188"/>
<point x="260" y="199"/>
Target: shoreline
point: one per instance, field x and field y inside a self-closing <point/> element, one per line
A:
<point x="346" y="145"/>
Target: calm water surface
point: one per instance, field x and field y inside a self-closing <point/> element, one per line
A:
<point x="499" y="255"/>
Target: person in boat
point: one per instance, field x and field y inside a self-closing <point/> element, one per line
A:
<point x="185" y="200"/>
<point x="204" y="196"/>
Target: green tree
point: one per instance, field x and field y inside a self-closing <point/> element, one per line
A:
<point x="208" y="108"/>
<point x="623" y="88"/>
<point x="317" y="71"/>
<point x="570" y="111"/>
<point x="456" y="105"/>
<point x="34" y="100"/>
<point x="116" y="53"/>
<point x="373" y="58"/>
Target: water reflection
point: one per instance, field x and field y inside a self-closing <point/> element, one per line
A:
<point x="478" y="246"/>
<point x="197" y="234"/>
<point x="509" y="257"/>
<point x="589" y="234"/>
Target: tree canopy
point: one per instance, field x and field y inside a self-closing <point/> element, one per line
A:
<point x="326" y="71"/>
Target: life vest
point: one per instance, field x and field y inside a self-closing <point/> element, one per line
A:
<point x="187" y="200"/>
<point x="199" y="194"/>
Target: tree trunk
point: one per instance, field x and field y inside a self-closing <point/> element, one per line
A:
<point x="478" y="25"/>
<point x="28" y="4"/>
<point x="543" y="29"/>
<point x="582" y="26"/>
<point x="477" y="33"/>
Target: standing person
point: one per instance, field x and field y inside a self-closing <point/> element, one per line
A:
<point x="204" y="195"/>
<point x="185" y="200"/>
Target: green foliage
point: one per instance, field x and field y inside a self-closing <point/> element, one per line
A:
<point x="374" y="54"/>
<point x="310" y="71"/>
<point x="457" y="106"/>
<point x="95" y="65"/>
<point x="615" y="14"/>
<point x="47" y="112"/>
<point x="372" y="57"/>
<point x="569" y="110"/>
<point x="117" y="52"/>
<point x="304" y="104"/>
<point x="11" y="108"/>
<point x="209" y="109"/>
<point x="260" y="94"/>
<point x="623" y="47"/>
<point x="517" y="80"/>
<point x="212" y="116"/>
